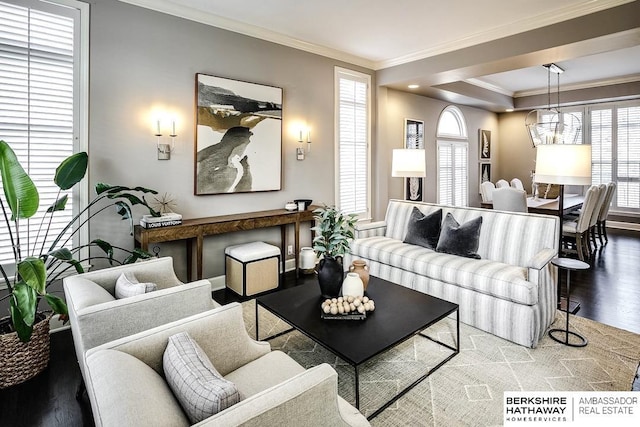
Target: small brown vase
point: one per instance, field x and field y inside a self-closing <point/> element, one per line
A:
<point x="360" y="266"/>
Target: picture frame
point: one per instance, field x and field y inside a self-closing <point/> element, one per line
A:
<point x="237" y="123"/>
<point x="484" y="174"/>
<point x="413" y="138"/>
<point x="484" y="144"/>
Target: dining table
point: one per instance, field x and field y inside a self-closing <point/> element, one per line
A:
<point x="571" y="202"/>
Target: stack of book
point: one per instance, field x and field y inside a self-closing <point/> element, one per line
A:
<point x="164" y="220"/>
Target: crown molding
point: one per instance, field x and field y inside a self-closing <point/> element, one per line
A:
<point x="217" y="21"/>
<point x="509" y="29"/>
<point x="578" y="86"/>
<point x="489" y="86"/>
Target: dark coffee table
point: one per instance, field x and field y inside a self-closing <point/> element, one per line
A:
<point x="400" y="314"/>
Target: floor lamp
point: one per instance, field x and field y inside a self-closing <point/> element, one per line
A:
<point x="409" y="163"/>
<point x="563" y="164"/>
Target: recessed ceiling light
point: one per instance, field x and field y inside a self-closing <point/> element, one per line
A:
<point x="413" y="86"/>
<point x="509" y="110"/>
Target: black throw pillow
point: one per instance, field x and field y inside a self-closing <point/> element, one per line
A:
<point x="462" y="240"/>
<point x="423" y="230"/>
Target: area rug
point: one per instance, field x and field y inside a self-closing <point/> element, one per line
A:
<point x="467" y="390"/>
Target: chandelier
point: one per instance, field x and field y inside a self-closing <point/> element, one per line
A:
<point x="550" y="126"/>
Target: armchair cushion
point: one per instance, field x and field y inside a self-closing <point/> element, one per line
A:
<point x="128" y="286"/>
<point x="197" y="385"/>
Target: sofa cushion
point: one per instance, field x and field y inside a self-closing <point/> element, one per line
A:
<point x="197" y="385"/>
<point x="127" y="286"/>
<point x="457" y="239"/>
<point x="505" y="281"/>
<point x="423" y="230"/>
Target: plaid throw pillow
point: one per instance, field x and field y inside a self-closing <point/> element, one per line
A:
<point x="127" y="286"/>
<point x="200" y="389"/>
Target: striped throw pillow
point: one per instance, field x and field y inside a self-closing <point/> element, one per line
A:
<point x="127" y="286"/>
<point x="200" y="389"/>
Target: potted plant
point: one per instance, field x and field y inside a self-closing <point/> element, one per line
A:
<point x="334" y="232"/>
<point x="24" y="335"/>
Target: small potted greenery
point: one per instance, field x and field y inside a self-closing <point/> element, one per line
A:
<point x="24" y="335"/>
<point x="334" y="232"/>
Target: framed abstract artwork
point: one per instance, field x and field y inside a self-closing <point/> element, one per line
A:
<point x="413" y="138"/>
<point x="484" y="145"/>
<point x="238" y="146"/>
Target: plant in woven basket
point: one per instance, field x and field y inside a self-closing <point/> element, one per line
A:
<point x="41" y="262"/>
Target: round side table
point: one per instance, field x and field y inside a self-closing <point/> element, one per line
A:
<point x="568" y="264"/>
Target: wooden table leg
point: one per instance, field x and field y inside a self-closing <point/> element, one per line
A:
<point x="189" y="243"/>
<point x="283" y="246"/>
<point x="296" y="249"/>
<point x="199" y="243"/>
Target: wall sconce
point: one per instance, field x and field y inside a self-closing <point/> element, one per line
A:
<point x="300" y="152"/>
<point x="164" y="149"/>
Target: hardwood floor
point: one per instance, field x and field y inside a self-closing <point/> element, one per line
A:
<point x="609" y="292"/>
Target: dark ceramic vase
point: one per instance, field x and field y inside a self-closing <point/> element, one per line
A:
<point x="330" y="275"/>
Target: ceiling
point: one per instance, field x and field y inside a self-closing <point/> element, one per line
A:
<point x="409" y="41"/>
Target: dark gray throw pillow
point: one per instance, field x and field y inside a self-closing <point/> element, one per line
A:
<point x="423" y="230"/>
<point x="462" y="240"/>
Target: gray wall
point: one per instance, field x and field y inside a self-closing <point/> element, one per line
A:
<point x="393" y="107"/>
<point x="517" y="148"/>
<point x="141" y="59"/>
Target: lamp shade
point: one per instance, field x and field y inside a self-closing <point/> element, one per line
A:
<point x="567" y="164"/>
<point x="408" y="163"/>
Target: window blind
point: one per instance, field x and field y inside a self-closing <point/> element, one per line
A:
<point x="615" y="152"/>
<point x="37" y="108"/>
<point x="453" y="173"/>
<point x="353" y="143"/>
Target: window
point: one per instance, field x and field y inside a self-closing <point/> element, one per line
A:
<point x="353" y="99"/>
<point x="43" y="100"/>
<point x="615" y="151"/>
<point x="453" y="162"/>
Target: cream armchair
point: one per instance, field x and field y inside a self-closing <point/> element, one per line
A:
<point x="97" y="317"/>
<point x="126" y="384"/>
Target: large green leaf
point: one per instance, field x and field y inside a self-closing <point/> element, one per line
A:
<point x="19" y="190"/>
<point x="57" y="304"/>
<point x="71" y="170"/>
<point x="26" y="302"/>
<point x="34" y="273"/>
<point x="24" y="331"/>
<point x="106" y="247"/>
<point x="59" y="205"/>
<point x="65" y="255"/>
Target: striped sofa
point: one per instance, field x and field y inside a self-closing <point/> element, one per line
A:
<point x="509" y="292"/>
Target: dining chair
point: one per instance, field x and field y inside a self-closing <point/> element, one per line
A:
<point x="517" y="183"/>
<point x="510" y="199"/>
<point x="602" y="188"/>
<point x="578" y="229"/>
<point x="601" y="225"/>
<point x="486" y="191"/>
<point x="502" y="183"/>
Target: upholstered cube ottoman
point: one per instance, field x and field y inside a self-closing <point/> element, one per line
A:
<point x="252" y="268"/>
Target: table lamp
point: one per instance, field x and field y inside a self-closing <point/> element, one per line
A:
<point x="409" y="163"/>
<point x="563" y="164"/>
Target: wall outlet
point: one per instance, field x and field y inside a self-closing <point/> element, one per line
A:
<point x="290" y="250"/>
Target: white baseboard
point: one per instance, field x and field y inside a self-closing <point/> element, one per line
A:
<point x="219" y="282"/>
<point x="623" y="225"/>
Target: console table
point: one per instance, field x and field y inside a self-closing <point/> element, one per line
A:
<point x="194" y="230"/>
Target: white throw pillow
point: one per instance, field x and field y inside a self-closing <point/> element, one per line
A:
<point x="200" y="389"/>
<point x="127" y="286"/>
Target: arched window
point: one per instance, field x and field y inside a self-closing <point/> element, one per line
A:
<point x="453" y="162"/>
